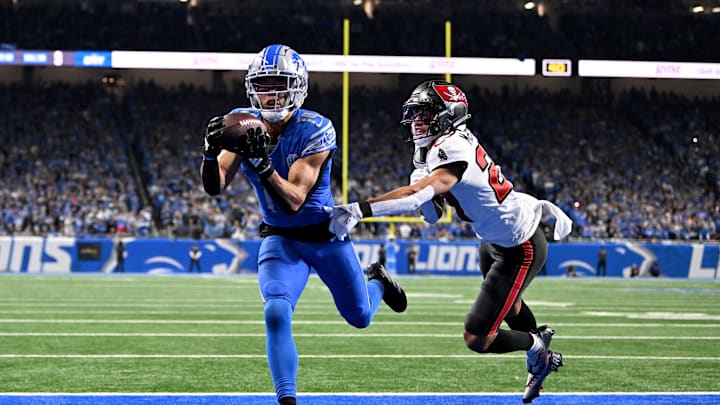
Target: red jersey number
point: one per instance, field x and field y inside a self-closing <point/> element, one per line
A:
<point x="500" y="185"/>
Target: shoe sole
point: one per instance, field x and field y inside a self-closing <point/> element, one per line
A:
<point x="556" y="361"/>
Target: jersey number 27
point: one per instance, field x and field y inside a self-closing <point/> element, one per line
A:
<point x="500" y="185"/>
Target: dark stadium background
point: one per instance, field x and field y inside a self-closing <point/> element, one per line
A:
<point x="92" y="155"/>
<point x="627" y="158"/>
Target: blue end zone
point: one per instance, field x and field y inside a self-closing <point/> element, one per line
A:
<point x="365" y="399"/>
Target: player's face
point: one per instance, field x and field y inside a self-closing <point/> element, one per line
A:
<point x="421" y="122"/>
<point x="272" y="91"/>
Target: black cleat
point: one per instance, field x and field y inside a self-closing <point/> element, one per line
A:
<point x="287" y="401"/>
<point x="394" y="295"/>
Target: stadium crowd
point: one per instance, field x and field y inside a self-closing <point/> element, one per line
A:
<point x="577" y="29"/>
<point x="94" y="164"/>
<point x="79" y="159"/>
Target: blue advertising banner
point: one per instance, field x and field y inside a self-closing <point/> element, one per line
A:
<point x="93" y="58"/>
<point x="7" y="57"/>
<point x="36" y="57"/>
<point x="225" y="256"/>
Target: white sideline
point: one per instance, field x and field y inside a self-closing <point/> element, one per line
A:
<point x="335" y="356"/>
<point x="338" y="322"/>
<point x="351" y="394"/>
<point x="314" y="335"/>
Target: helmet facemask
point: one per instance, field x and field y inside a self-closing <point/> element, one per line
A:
<point x="419" y="120"/>
<point x="277" y="76"/>
<point x="435" y="108"/>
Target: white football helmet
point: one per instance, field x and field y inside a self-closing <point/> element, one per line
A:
<point x="289" y="87"/>
<point x="437" y="108"/>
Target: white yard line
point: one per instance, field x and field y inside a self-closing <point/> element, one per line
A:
<point x="337" y="356"/>
<point x="338" y="322"/>
<point x="333" y="394"/>
<point x="339" y="335"/>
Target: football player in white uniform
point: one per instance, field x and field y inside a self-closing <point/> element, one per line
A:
<point x="451" y="166"/>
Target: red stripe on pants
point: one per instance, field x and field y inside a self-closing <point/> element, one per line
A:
<point x="528" y="255"/>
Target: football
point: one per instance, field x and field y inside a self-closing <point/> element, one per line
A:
<point x="234" y="132"/>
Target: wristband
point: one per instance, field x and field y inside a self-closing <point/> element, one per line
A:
<point x="263" y="167"/>
<point x="266" y="172"/>
<point x="365" y="209"/>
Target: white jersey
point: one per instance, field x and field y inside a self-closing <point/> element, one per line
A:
<point x="485" y="198"/>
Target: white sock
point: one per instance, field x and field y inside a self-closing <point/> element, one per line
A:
<point x="537" y="344"/>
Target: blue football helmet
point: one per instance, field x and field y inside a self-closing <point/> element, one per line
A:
<point x="277" y="71"/>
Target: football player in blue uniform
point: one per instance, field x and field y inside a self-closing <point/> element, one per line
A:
<point x="289" y="168"/>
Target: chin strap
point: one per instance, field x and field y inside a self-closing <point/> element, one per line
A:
<point x="275" y="116"/>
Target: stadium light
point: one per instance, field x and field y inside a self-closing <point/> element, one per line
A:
<point x="529" y="5"/>
<point x="698" y="9"/>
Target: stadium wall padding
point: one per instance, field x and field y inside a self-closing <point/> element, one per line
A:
<point x="29" y="254"/>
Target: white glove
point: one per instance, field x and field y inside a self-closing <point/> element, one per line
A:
<point x="343" y="219"/>
<point x="418" y="174"/>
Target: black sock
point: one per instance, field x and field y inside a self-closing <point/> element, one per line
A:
<point x="287" y="401"/>
<point x="508" y="341"/>
<point x="524" y="321"/>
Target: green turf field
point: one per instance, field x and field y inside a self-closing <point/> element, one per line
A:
<point x="123" y="333"/>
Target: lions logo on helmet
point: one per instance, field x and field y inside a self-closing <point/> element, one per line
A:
<point x="434" y="108"/>
<point x="280" y="74"/>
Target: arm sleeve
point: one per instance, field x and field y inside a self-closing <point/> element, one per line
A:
<point x="401" y="205"/>
<point x="211" y="176"/>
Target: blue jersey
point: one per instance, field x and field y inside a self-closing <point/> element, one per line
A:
<point x="307" y="133"/>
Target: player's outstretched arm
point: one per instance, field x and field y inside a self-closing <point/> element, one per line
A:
<point x="401" y="200"/>
<point x="433" y="209"/>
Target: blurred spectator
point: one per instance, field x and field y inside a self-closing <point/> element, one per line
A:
<point x="655" y="270"/>
<point x="412" y="251"/>
<point x="120" y="255"/>
<point x="195" y="254"/>
<point x="602" y="262"/>
<point x="382" y="254"/>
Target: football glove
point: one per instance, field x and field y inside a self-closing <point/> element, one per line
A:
<point x="258" y="141"/>
<point x="344" y="218"/>
<point x="211" y="147"/>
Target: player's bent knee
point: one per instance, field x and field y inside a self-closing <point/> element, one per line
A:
<point x="278" y="312"/>
<point x="274" y="288"/>
<point x="479" y="344"/>
<point x="278" y="308"/>
<point x="359" y="319"/>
